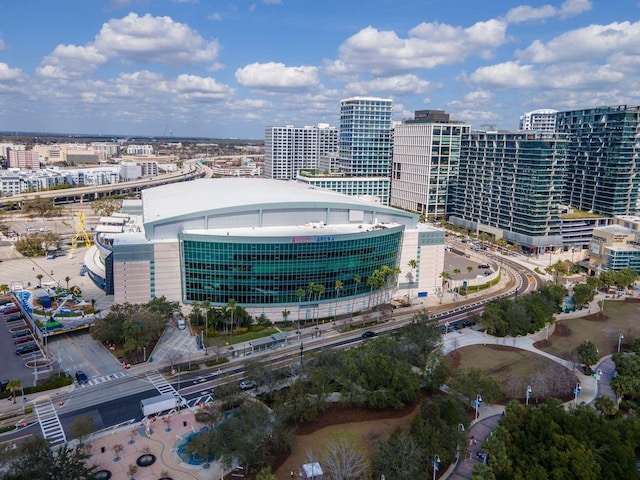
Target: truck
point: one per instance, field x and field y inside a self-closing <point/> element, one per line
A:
<point x="160" y="403"/>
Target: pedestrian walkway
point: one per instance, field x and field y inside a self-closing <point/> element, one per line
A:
<point x="102" y="379"/>
<point x="49" y="422"/>
<point x="161" y="384"/>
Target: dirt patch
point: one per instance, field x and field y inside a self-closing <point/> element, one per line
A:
<point x="562" y="330"/>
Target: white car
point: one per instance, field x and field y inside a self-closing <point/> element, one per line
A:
<point x="182" y="324"/>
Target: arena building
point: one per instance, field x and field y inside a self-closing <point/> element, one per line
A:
<point x="262" y="243"/>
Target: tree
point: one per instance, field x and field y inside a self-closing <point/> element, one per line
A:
<point x="285" y="315"/>
<point x="467" y="384"/>
<point x="469" y="268"/>
<point x="106" y="207"/>
<point x="14" y="386"/>
<point x="399" y="457"/>
<point x="587" y="353"/>
<point x="34" y="459"/>
<point x="582" y="293"/>
<point x="266" y="474"/>
<point x="345" y="458"/>
<point x="413" y="264"/>
<point x="117" y="450"/>
<point x="338" y="286"/>
<point x="39" y="277"/>
<point x="67" y="280"/>
<point x="82" y="427"/>
<point x="4" y="289"/>
<point x="606" y="406"/>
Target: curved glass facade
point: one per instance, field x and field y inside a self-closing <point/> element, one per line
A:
<point x="268" y="271"/>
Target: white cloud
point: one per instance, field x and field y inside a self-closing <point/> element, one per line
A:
<point x="525" y="13"/>
<point x="594" y="41"/>
<point x="428" y="45"/>
<point x="8" y="74"/>
<point x="150" y="39"/>
<point x="507" y="74"/>
<point x="215" y="16"/>
<point x="479" y="97"/>
<point x="3" y="45"/>
<point x="395" y="85"/>
<point x="277" y="76"/>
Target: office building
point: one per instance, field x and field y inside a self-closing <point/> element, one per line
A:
<point x="510" y="186"/>
<point x="426" y="154"/>
<point x="289" y="149"/>
<point x="603" y="168"/>
<point x="23" y="159"/>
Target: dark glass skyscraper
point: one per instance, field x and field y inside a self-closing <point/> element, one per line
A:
<point x="602" y="159"/>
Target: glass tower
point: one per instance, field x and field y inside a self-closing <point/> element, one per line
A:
<point x="603" y="165"/>
<point x="365" y="137"/>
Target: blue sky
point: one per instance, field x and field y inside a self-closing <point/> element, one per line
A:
<point x="228" y="69"/>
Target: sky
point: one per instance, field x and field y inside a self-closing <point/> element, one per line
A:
<point x="228" y="69"/>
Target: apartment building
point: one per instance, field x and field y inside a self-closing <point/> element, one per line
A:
<point x="543" y="120"/>
<point x="289" y="149"/>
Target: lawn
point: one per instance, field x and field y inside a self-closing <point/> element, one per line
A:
<point x="620" y="317"/>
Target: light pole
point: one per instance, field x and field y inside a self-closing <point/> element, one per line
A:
<point x="436" y="464"/>
<point x="144" y="353"/>
<point x="576" y="392"/>
<point x="528" y="394"/>
<point x="476" y="404"/>
<point x="301" y="347"/>
<point x="620" y="337"/>
<point x="546" y="327"/>
<point x="189" y="355"/>
<point x="597" y="376"/>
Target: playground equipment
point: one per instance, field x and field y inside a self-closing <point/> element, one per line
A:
<point x="81" y="235"/>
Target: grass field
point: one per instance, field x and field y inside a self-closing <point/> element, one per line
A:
<point x="619" y="317"/>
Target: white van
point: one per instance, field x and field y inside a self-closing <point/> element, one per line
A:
<point x="182" y="324"/>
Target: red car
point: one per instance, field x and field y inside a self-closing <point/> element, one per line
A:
<point x="25" y="339"/>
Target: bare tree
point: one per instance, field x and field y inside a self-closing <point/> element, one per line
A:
<point x="345" y="458"/>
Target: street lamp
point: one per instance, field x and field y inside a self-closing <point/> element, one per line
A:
<point x="528" y="394"/>
<point x="476" y="404"/>
<point x="597" y="376"/>
<point x="620" y="337"/>
<point x="576" y="392"/>
<point x="144" y="353"/>
<point x="436" y="464"/>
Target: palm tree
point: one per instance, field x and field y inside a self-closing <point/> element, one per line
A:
<point x="356" y="282"/>
<point x="285" y="315"/>
<point x="300" y="293"/>
<point x="231" y="308"/>
<point x="469" y="268"/>
<point x="413" y="264"/>
<point x="14" y="386"/>
<point x="338" y="286"/>
<point x="4" y="289"/>
<point x="67" y="280"/>
<point x="40" y="277"/>
<point x="445" y="278"/>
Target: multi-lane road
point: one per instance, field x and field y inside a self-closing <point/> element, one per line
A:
<point x="117" y="401"/>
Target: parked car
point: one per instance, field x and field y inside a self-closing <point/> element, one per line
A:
<point x="21" y="333"/>
<point x="182" y="324"/>
<point x="81" y="377"/>
<point x="28" y="348"/>
<point x="247" y="384"/>
<point x="369" y="334"/>
<point x="25" y="339"/>
<point x="484" y="265"/>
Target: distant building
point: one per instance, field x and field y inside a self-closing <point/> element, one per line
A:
<point x="615" y="247"/>
<point x="23" y="159"/>
<point x="139" y="150"/>
<point x="289" y="149"/>
<point x="543" y="120"/>
<point x="429" y="116"/>
<point x="426" y="154"/>
<point x="603" y="159"/>
<point x="510" y="186"/>
<point x="136" y="170"/>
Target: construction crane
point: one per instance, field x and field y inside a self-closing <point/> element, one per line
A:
<point x="81" y="235"/>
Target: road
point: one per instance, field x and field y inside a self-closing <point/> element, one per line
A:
<point x="117" y="400"/>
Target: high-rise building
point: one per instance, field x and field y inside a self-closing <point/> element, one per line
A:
<point x="365" y="137"/>
<point x="289" y="149"/>
<point x="425" y="164"/>
<point x="603" y="169"/>
<point x="510" y="186"/>
<point x="543" y="120"/>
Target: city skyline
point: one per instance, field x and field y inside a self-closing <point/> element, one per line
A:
<point x="189" y="68"/>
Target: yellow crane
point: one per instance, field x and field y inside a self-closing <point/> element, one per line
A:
<point x="81" y="235"/>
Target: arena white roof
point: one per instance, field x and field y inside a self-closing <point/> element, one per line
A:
<point x="185" y="198"/>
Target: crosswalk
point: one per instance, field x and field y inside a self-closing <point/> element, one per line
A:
<point x="161" y="384"/>
<point x="103" y="379"/>
<point x="49" y="422"/>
